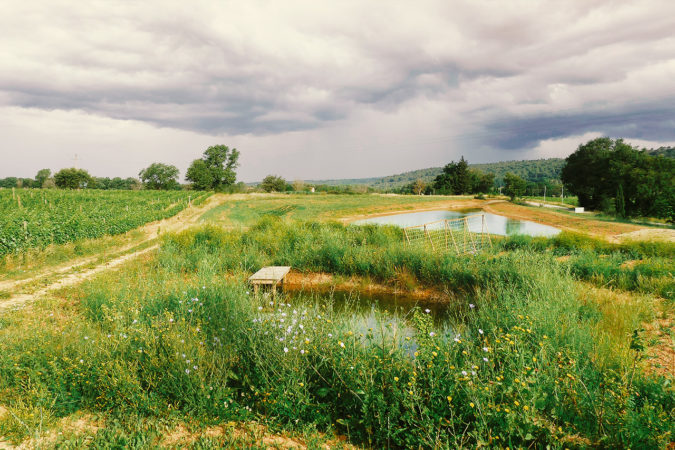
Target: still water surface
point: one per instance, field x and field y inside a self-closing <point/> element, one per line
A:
<point x="499" y="225"/>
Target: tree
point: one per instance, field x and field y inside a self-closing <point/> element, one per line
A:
<point x="273" y="183"/>
<point x="514" y="186"/>
<point x="42" y="176"/>
<point x="160" y="176"/>
<point x="72" y="178"/>
<point x="455" y="178"/>
<point x="221" y="162"/>
<point x="419" y="186"/>
<point x="200" y="175"/>
<point x="596" y="170"/>
<point x="298" y="185"/>
<point x="620" y="203"/>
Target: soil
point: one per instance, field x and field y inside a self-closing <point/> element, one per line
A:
<point x="300" y="280"/>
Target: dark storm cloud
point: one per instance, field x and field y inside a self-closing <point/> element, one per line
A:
<point x="441" y="77"/>
<point x="648" y="122"/>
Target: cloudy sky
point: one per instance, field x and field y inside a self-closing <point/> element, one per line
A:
<point x="321" y="89"/>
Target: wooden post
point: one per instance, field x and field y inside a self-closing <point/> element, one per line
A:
<point x="453" y="241"/>
<point x="466" y="225"/>
<point x="445" y="234"/>
<point x="429" y="236"/>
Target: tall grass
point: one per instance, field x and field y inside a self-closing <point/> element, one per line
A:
<point x="181" y="336"/>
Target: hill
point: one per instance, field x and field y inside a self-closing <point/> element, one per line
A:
<point x="536" y="170"/>
<point x="532" y="170"/>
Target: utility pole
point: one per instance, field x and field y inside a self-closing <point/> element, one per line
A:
<point x="75" y="159"/>
<point x="562" y="194"/>
<point x="544" y="193"/>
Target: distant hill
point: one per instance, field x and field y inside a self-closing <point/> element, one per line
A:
<point x="533" y="170"/>
<point x="536" y="170"/>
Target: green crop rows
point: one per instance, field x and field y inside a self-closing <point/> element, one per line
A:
<point x="35" y="218"/>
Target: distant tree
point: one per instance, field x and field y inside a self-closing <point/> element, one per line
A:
<point x="8" y="182"/>
<point x="200" y="175"/>
<point x="72" y="178"/>
<point x="298" y="185"/>
<point x="42" y="176"/>
<point x="620" y="203"/>
<point x="481" y="182"/>
<point x="49" y="184"/>
<point x="160" y="176"/>
<point x="221" y="162"/>
<point x="133" y="183"/>
<point x="273" y="183"/>
<point x="419" y="186"/>
<point x="455" y="178"/>
<point x="514" y="186"/>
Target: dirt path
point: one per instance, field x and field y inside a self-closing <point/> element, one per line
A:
<point x="71" y="271"/>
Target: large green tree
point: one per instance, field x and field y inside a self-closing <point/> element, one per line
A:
<point x="200" y="175"/>
<point x="41" y="177"/>
<point x="160" y="176"/>
<point x="514" y="186"/>
<point x="596" y="170"/>
<point x="72" y="178"/>
<point x="273" y="183"/>
<point x="455" y="178"/>
<point x="221" y="163"/>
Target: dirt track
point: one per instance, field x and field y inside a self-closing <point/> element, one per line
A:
<point x="71" y="273"/>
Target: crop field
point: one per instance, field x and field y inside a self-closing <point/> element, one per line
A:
<point x="563" y="342"/>
<point x="38" y="218"/>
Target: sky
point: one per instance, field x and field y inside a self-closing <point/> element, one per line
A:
<point x="328" y="89"/>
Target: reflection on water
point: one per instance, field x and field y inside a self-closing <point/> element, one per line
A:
<point x="499" y="225"/>
<point x="367" y="304"/>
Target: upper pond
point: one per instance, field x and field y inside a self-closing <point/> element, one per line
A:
<point x="500" y="225"/>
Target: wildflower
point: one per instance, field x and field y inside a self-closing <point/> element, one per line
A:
<point x="302" y="352"/>
<point x="187" y="371"/>
<point x="330" y="335"/>
<point x="480" y="331"/>
<point x="135" y="321"/>
<point x="471" y="404"/>
<point x="82" y="361"/>
<point x="427" y="310"/>
<point x="301" y="384"/>
<point x="432" y="334"/>
<point x="449" y="398"/>
<point x="171" y="320"/>
<point x="395" y="378"/>
<point x="472" y="306"/>
<point x="526" y="408"/>
<point x="485" y="349"/>
<point x="517" y="403"/>
<point x="464" y="373"/>
<point x="485" y="359"/>
<point x="259" y="308"/>
<point x="285" y="349"/>
<point x="342" y="344"/>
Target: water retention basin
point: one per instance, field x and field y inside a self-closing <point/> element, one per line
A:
<point x="497" y="225"/>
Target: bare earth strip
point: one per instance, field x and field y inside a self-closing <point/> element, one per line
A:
<point x="173" y="224"/>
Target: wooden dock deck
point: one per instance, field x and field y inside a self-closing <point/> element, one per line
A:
<point x="269" y="276"/>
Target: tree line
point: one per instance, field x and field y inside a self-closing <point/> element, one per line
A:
<point x="216" y="170"/>
<point x="617" y="178"/>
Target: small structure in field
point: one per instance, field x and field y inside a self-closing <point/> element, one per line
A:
<point x="465" y="235"/>
<point x="269" y="276"/>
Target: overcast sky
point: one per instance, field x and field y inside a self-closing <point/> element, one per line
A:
<point x="320" y="89"/>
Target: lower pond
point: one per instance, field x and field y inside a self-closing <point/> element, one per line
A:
<point x="498" y="225"/>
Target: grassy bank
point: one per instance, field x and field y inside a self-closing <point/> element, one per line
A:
<point x="178" y="338"/>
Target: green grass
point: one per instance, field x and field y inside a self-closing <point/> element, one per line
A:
<point x="245" y="212"/>
<point x="180" y="338"/>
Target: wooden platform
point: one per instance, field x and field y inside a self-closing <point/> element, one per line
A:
<point x="269" y="276"/>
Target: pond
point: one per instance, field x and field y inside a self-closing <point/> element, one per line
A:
<point x="498" y="225"/>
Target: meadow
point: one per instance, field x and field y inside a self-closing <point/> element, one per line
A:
<point x="546" y="342"/>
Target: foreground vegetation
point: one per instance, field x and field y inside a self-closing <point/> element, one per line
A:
<point x="38" y="218"/>
<point x="523" y="361"/>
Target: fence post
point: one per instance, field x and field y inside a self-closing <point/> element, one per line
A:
<point x="426" y="232"/>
